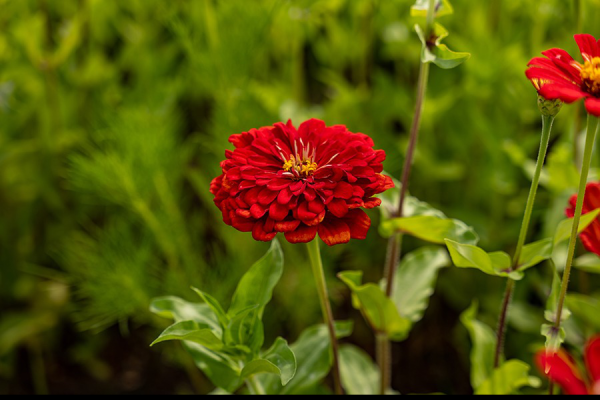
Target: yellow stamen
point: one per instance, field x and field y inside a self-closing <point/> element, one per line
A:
<point x="590" y="76"/>
<point x="300" y="168"/>
<point x="288" y="165"/>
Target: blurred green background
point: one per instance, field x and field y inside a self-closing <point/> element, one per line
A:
<point x="115" y="114"/>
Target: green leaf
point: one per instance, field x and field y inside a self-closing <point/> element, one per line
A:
<point x="245" y="331"/>
<point x="495" y="264"/>
<point x="483" y="341"/>
<point x="191" y="331"/>
<point x="313" y="357"/>
<point x="563" y="232"/>
<point x="222" y="371"/>
<point x="256" y="367"/>
<point x="181" y="310"/>
<point x="284" y="358"/>
<point x="589" y="263"/>
<point x="379" y="310"/>
<point x="430" y="228"/>
<point x="554" y="338"/>
<point x="535" y="253"/>
<point x="420" y="8"/>
<point x="553" y="299"/>
<point x="585" y="308"/>
<point x="215" y="306"/>
<point x="415" y="281"/>
<point x="508" y="379"/>
<point x="360" y="376"/>
<point x="256" y="287"/>
<point x="437" y="53"/>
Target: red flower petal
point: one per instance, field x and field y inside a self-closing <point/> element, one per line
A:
<point x="284" y="196"/>
<point x="359" y="223"/>
<point x="287" y="226"/>
<point x="592" y="358"/>
<point x="260" y="233"/>
<point x="564" y="91"/>
<point x="278" y="212"/>
<point x="592" y="105"/>
<point x="343" y="190"/>
<point x="303" y="234"/>
<point x="338" y="207"/>
<point x="266" y="196"/>
<point x="588" y="46"/>
<point x="334" y="231"/>
<point x="563" y="371"/>
<point x="258" y="211"/>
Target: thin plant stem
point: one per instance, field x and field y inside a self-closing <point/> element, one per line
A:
<point x="317" y="266"/>
<point x="592" y="131"/>
<point x="547" y="122"/>
<point x="395" y="242"/>
<point x="254" y="386"/>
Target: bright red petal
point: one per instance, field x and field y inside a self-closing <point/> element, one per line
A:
<point x="588" y="46"/>
<point x="334" y="231"/>
<point x="592" y="358"/>
<point x="562" y="370"/>
<point x="592" y="105"/>
<point x="564" y="91"/>
<point x="303" y="234"/>
<point x="359" y="223"/>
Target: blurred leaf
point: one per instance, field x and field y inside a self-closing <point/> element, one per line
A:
<point x="437" y="53"/>
<point x="191" y="331"/>
<point x="414" y="282"/>
<point x="483" y="341"/>
<point x="219" y="368"/>
<point x="379" y="310"/>
<point x="256" y="287"/>
<point x="508" y="379"/>
<point x="589" y="263"/>
<point x="586" y="308"/>
<point x="442" y="7"/>
<point x="245" y="331"/>
<point x="495" y="264"/>
<point x="215" y="306"/>
<point x="256" y="367"/>
<point x="554" y="338"/>
<point x="360" y="376"/>
<point x="534" y="253"/>
<point x="553" y="299"/>
<point x="181" y="310"/>
<point x="430" y="228"/>
<point x="563" y="232"/>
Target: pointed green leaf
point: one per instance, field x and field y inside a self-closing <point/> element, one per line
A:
<point x="563" y="232"/>
<point x="495" y="264"/>
<point x="245" y="331"/>
<point x="256" y="287"/>
<point x="437" y="53"/>
<point x="222" y="371"/>
<point x="535" y="253"/>
<point x="256" y="367"/>
<point x="430" y="228"/>
<point x="376" y="307"/>
<point x="415" y="281"/>
<point x="508" y="379"/>
<point x="181" y="310"/>
<point x="191" y="331"/>
<point x="360" y="376"/>
<point x="215" y="306"/>
<point x="283" y="358"/>
<point x="555" y="337"/>
<point x="483" y="341"/>
<point x="448" y="59"/>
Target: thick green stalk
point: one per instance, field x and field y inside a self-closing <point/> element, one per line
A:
<point x="317" y="266"/>
<point x="547" y="122"/>
<point x="395" y="242"/>
<point x="592" y="131"/>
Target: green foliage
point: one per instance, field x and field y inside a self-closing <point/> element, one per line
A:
<point x="359" y="375"/>
<point x="483" y="342"/>
<point x="508" y="379"/>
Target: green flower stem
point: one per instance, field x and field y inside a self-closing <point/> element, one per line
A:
<point x="254" y="386"/>
<point x="592" y="131"/>
<point x="395" y="242"/>
<point x="547" y="122"/>
<point x="317" y="266"/>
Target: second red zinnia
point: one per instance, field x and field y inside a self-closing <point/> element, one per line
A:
<point x="301" y="182"/>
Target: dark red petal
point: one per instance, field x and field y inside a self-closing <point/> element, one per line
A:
<point x="303" y="234"/>
<point x="287" y="226"/>
<point x="258" y="211"/>
<point x="316" y="206"/>
<point x="284" y="196"/>
<point x="261" y="234"/>
<point x="562" y="370"/>
<point x="566" y="92"/>
<point x="266" y="196"/>
<point x="343" y="190"/>
<point x="592" y="358"/>
<point x="588" y="46"/>
<point x="592" y="105"/>
<point x="338" y="207"/>
<point x="372" y="203"/>
<point x="242" y="224"/>
<point x="278" y="212"/>
<point x="316" y="220"/>
<point x="359" y="223"/>
<point x="278" y="184"/>
<point x="334" y="231"/>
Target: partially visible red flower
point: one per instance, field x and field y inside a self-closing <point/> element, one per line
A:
<point x="590" y="237"/>
<point x="561" y="368"/>
<point x="301" y="182"/>
<point x="561" y="77"/>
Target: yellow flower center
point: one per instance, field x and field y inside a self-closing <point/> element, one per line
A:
<point x="590" y="76"/>
<point x="300" y="168"/>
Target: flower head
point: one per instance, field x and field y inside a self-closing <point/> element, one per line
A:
<point x="301" y="182"/>
<point x="590" y="237"/>
<point x="559" y="76"/>
<point x="561" y="368"/>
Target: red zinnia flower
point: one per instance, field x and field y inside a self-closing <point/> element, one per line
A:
<point x="590" y="237"/>
<point x="561" y="77"/>
<point x="561" y="368"/>
<point x="301" y="182"/>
